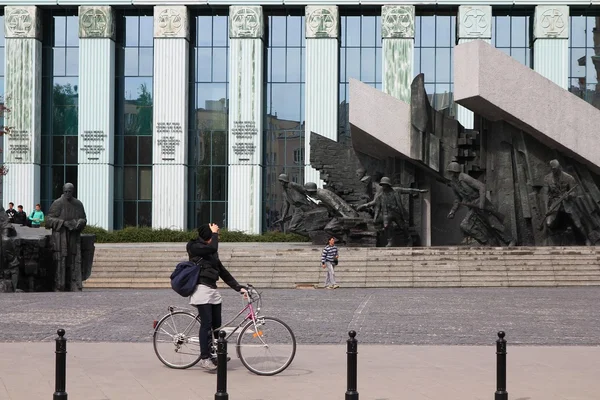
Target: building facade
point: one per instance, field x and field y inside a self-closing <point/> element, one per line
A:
<point x="173" y="114"/>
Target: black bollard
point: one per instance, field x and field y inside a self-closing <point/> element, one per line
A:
<point x="352" y="352"/>
<point x="221" y="368"/>
<point x="501" y="393"/>
<point x="61" y="366"/>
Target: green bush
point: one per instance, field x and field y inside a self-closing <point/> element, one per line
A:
<point x="149" y="235"/>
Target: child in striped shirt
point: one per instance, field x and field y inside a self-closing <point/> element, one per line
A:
<point x="329" y="257"/>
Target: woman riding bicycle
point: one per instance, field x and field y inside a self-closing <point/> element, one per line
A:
<point x="204" y="252"/>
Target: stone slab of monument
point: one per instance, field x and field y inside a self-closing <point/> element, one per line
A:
<point x="498" y="87"/>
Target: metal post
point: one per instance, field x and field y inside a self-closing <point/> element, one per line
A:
<point x="221" y="368"/>
<point x="61" y="366"/>
<point x="352" y="352"/>
<point x="501" y="393"/>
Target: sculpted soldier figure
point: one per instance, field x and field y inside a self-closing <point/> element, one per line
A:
<point x="371" y="186"/>
<point x="482" y="222"/>
<point x="388" y="208"/>
<point x="334" y="203"/>
<point x="294" y="195"/>
<point x="560" y="193"/>
<point x="9" y="255"/>
<point x="67" y="219"/>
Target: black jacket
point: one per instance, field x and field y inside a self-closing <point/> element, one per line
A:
<point x="207" y="255"/>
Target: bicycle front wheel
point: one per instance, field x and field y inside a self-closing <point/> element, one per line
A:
<point x="176" y="341"/>
<point x="267" y="346"/>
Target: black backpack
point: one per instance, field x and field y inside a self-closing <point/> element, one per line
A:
<point x="185" y="278"/>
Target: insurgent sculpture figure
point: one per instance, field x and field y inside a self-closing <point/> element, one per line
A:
<point x="482" y="222"/>
<point x="388" y="208"/>
<point x="560" y="192"/>
<point x="9" y="256"/>
<point x="67" y="219"/>
<point x="294" y="195"/>
<point x="338" y="209"/>
<point x="371" y="186"/>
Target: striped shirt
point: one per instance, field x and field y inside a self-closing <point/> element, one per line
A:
<point x="329" y="253"/>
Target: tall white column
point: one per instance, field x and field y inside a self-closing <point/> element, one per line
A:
<point x="398" y="44"/>
<point x="474" y="23"/>
<point x="95" y="186"/>
<point x="170" y="117"/>
<point x="322" y="79"/>
<point x="551" y="43"/>
<point x="23" y="97"/>
<point x="244" y="183"/>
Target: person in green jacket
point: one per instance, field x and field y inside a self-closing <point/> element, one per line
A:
<point x="36" y="217"/>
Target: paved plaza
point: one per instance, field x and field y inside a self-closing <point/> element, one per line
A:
<point x="416" y="344"/>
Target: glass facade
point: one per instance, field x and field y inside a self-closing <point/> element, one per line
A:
<point x="584" y="55"/>
<point x="511" y="33"/>
<point x="60" y="71"/>
<point x="435" y="35"/>
<point x="360" y="56"/>
<point x="208" y="121"/>
<point x="284" y="109"/>
<point x="133" y="119"/>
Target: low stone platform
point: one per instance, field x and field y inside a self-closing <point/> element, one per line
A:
<point x="297" y="265"/>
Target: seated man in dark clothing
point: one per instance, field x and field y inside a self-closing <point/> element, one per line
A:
<point x="20" y="217"/>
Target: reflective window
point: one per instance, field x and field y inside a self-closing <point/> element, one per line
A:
<point x="284" y="115"/>
<point x="435" y="35"/>
<point x="511" y="33"/>
<point x="60" y="76"/>
<point x="584" y="54"/>
<point x="360" y="56"/>
<point x="208" y="121"/>
<point x="133" y="118"/>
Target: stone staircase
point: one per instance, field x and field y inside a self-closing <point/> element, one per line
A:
<point x="297" y="265"/>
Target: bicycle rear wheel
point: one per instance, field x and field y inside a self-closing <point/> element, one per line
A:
<point x="266" y="348"/>
<point x="176" y="341"/>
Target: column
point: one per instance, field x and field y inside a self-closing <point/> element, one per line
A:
<point x="170" y="117"/>
<point x="23" y="97"/>
<point x="95" y="186"/>
<point x="322" y="80"/>
<point x="474" y="23"/>
<point x="551" y="43"/>
<point x="244" y="184"/>
<point x="398" y="37"/>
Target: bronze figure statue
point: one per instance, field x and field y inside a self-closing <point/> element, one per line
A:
<point x="294" y="195"/>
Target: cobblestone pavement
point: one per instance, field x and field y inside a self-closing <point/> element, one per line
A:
<point x="531" y="316"/>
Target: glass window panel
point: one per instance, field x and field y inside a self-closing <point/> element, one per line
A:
<point x="578" y="61"/>
<point x="202" y="174"/>
<point x="443" y="97"/>
<point x="367" y="65"/>
<point x="2" y="63"/>
<point x="443" y="33"/>
<point x="452" y="31"/>
<point x="417" y="31"/>
<point x="294" y="65"/>
<point x="427" y="31"/>
<point x="131" y="61"/>
<point x="71" y="150"/>
<point x="378" y="65"/>
<point x="219" y="183"/>
<point x="343" y="64"/>
<point x="591" y="23"/>
<point x="139" y="90"/>
<point x="219" y="62"/>
<point x="209" y="96"/>
<point x="2" y="38"/>
<point x="130" y="150"/>
<point x="519" y="55"/>
<point x="146" y="61"/>
<point x="58" y="150"/>
<point x="352" y="31"/>
<point x="302" y="102"/>
<point x="343" y="31"/>
<point x="146" y="31"/>
<point x="277" y="31"/>
<point x="592" y="74"/>
<point x="368" y="31"/>
<point x="72" y="67"/>
<point x="286" y="101"/>
<point x="428" y="64"/>
<point x="129" y="213"/>
<point x="58" y="59"/>
<point x="60" y="31"/>
<point x="204" y="30"/>
<point x="72" y="31"/>
<point x="277" y="64"/>
<point x="417" y="56"/>
<point x="302" y="63"/>
<point x="378" y="39"/>
<point x="294" y="31"/>
<point x="144" y="213"/>
<point x="577" y="36"/>
<point x="219" y="213"/>
<point x="145" y="150"/>
<point x="201" y="213"/>
<point x="505" y="50"/>
<point x="131" y="31"/>
<point x="352" y="63"/>
<point x="58" y="180"/>
<point x="519" y="32"/>
<point x="145" y="183"/>
<point x="220" y="33"/>
<point x="203" y="64"/>
<point x="219" y="147"/>
<point x="71" y="177"/>
<point x="442" y="65"/>
<point x="502" y="31"/>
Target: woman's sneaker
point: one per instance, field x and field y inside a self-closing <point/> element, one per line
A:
<point x="207" y="363"/>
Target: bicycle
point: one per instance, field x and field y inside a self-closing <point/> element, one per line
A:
<point x="185" y="344"/>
